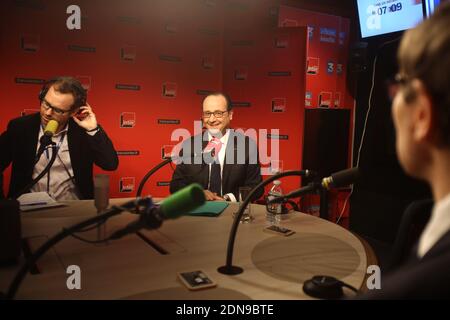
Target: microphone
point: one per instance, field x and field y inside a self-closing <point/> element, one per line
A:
<point x="50" y="128"/>
<point x="341" y="178"/>
<point x="213" y="147"/>
<point x="211" y="150"/>
<point x="177" y="159"/>
<point x="46" y="139"/>
<point x="336" y="180"/>
<point x="172" y="207"/>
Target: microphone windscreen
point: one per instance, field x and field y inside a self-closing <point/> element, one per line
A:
<point x="345" y="177"/>
<point x="51" y="127"/>
<point x="213" y="147"/>
<point x="183" y="201"/>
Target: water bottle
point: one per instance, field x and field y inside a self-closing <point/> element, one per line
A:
<point x="273" y="215"/>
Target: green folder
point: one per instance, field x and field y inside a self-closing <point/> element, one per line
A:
<point x="209" y="209"/>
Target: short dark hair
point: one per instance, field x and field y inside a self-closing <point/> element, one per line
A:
<point x="424" y="54"/>
<point x="218" y="94"/>
<point x="66" y="85"/>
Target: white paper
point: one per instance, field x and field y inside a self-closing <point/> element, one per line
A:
<point x="37" y="200"/>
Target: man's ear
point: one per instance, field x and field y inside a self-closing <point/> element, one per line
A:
<point x="231" y="114"/>
<point x="74" y="112"/>
<point x="424" y="118"/>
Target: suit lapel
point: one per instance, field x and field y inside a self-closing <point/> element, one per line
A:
<point x="204" y="173"/>
<point x="75" y="152"/>
<point x="31" y="141"/>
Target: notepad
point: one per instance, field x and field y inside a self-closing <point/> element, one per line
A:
<point x="37" y="200"/>
<point x="209" y="209"/>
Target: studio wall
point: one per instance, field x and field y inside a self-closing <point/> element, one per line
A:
<point x="148" y="65"/>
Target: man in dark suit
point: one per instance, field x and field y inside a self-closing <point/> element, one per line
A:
<point x="233" y="163"/>
<point x="80" y="142"/>
<point x="421" y="114"/>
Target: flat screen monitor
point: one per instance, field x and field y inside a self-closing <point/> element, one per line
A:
<point x="431" y="5"/>
<point x="378" y="17"/>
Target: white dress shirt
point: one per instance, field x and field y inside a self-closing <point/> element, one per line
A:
<point x="59" y="183"/>
<point x="438" y="225"/>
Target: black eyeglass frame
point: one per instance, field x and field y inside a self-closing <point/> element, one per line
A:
<point x="217" y="114"/>
<point x="47" y="106"/>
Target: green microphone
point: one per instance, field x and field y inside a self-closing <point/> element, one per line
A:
<point x="174" y="206"/>
<point x="182" y="201"/>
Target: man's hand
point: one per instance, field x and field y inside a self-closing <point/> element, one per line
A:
<point x="211" y="196"/>
<point x="88" y="120"/>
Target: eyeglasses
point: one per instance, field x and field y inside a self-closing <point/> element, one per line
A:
<point x="400" y="79"/>
<point x="217" y="114"/>
<point x="56" y="110"/>
<point x="393" y="84"/>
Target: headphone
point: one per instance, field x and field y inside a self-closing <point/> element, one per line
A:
<point x="81" y="93"/>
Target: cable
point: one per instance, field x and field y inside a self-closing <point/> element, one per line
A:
<point x="92" y="227"/>
<point x="363" y="135"/>
<point x="345" y="205"/>
<point x="87" y="240"/>
<point x="346" y="285"/>
<point x="96" y="226"/>
<point x="35" y="180"/>
<point x="370" y="97"/>
<point x="104" y="221"/>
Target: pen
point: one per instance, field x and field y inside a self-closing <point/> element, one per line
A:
<point x="34" y="204"/>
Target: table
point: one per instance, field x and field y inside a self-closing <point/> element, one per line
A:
<point x="275" y="267"/>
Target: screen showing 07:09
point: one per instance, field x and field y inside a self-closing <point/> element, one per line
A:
<point x="384" y="16"/>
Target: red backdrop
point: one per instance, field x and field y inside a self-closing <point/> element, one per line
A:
<point x="148" y="65"/>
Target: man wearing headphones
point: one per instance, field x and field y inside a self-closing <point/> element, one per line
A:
<point x="80" y="142"/>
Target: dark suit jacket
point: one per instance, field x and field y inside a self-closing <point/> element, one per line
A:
<point x="427" y="278"/>
<point x="235" y="173"/>
<point x="18" y="145"/>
